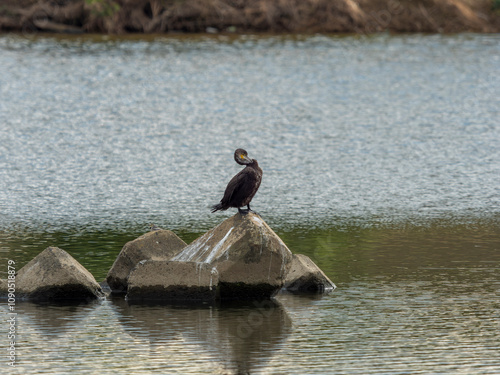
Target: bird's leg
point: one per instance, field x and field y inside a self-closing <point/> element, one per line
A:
<point x="249" y="209"/>
<point x="244" y="212"/>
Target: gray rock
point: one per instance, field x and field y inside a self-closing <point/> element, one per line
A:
<point x="54" y="275"/>
<point x="158" y="244"/>
<point x="306" y="276"/>
<point x="171" y="281"/>
<point x="251" y="260"/>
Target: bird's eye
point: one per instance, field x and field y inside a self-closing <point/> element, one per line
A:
<point x="242" y="156"/>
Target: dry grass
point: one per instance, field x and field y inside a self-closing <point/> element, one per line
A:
<point x="303" y="16"/>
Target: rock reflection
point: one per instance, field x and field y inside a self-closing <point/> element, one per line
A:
<point x="53" y="319"/>
<point x="240" y="337"/>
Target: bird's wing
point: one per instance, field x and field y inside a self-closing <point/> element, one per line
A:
<point x="236" y="186"/>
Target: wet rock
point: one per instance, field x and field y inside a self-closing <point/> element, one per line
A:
<point x="306" y="276"/>
<point x="158" y="244"/>
<point x="54" y="275"/>
<point x="172" y="281"/>
<point x="251" y="260"/>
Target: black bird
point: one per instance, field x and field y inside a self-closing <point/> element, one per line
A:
<point x="242" y="187"/>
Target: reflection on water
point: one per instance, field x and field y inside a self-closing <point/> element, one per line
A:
<point x="388" y="327"/>
<point x="345" y="253"/>
<point x="394" y="328"/>
<point x="409" y="300"/>
<point x="237" y="339"/>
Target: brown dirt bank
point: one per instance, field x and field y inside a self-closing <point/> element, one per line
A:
<point x="281" y="16"/>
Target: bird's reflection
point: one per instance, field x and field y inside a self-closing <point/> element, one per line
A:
<point x="239" y="336"/>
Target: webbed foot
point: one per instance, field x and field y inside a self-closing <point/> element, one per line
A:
<point x="244" y="212"/>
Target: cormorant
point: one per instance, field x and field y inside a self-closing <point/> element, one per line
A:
<point x="242" y="187"/>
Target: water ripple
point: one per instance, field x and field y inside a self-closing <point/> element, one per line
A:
<point x="116" y="132"/>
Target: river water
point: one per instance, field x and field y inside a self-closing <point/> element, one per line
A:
<point x="381" y="162"/>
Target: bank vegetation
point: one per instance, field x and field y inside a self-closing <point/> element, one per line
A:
<point x="249" y="16"/>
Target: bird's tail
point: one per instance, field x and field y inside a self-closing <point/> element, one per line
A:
<point x="217" y="207"/>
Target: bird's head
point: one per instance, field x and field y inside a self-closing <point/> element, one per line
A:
<point x="241" y="157"/>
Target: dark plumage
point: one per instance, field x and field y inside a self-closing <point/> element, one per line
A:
<point x="242" y="187"/>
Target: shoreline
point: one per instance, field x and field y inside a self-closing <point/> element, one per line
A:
<point x="241" y="17"/>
